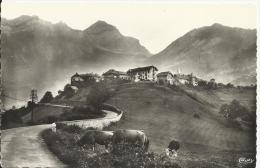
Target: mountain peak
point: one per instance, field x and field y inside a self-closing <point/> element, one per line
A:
<point x="100" y="23"/>
<point x="24" y="18"/>
<point x="217" y="25"/>
<point x="101" y="26"/>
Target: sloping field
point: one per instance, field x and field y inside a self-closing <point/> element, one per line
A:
<point x="218" y="97"/>
<point x="165" y="114"/>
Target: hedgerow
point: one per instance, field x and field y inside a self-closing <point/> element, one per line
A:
<point x="63" y="143"/>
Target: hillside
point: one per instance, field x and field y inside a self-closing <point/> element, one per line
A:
<point x="165" y="114"/>
<point x="225" y="53"/>
<point x="39" y="54"/>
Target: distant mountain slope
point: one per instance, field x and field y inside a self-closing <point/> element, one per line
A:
<point x="224" y="53"/>
<point x="39" y="54"/>
<point x="166" y="114"/>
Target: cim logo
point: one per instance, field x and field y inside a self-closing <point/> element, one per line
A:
<point x="245" y="160"/>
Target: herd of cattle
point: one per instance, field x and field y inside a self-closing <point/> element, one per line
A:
<point x="113" y="138"/>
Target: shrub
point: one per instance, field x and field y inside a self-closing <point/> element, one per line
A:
<point x="68" y="91"/>
<point x="196" y="116"/>
<point x="69" y="128"/>
<point x="233" y="110"/>
<point x="63" y="143"/>
<point x="98" y="94"/>
<point x="128" y="157"/>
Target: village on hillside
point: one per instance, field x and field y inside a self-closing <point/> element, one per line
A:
<point x="142" y="74"/>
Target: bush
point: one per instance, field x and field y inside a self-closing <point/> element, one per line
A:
<point x="196" y="116"/>
<point x="63" y="143"/>
<point x="69" y="128"/>
<point x="68" y="91"/>
<point x="98" y="94"/>
<point x="233" y="110"/>
<point x="127" y="157"/>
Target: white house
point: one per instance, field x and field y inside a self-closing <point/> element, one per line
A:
<point x="147" y="73"/>
<point x="165" y="78"/>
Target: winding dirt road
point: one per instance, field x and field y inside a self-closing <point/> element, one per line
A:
<point x="24" y="147"/>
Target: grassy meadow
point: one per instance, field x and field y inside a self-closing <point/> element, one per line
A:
<point x="168" y="113"/>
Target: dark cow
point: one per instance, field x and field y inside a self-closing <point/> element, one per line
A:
<point x="137" y="137"/>
<point x="172" y="148"/>
<point x="94" y="137"/>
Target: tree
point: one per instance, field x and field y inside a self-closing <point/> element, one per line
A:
<point x="68" y="91"/>
<point x="47" y="97"/>
<point x="98" y="94"/>
<point x="233" y="110"/>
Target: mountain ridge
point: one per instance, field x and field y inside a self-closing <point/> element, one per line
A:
<point x="210" y="51"/>
<point x="37" y="52"/>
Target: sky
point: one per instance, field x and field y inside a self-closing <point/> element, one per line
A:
<point x="155" y="24"/>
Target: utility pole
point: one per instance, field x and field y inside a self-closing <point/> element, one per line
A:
<point x="34" y="99"/>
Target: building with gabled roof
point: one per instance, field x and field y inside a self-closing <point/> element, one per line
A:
<point x="147" y="73"/>
<point x="80" y="80"/>
<point x="113" y="74"/>
<point x="165" y="78"/>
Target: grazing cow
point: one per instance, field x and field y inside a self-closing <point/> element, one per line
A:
<point x="137" y="137"/>
<point x="172" y="148"/>
<point x="100" y="137"/>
